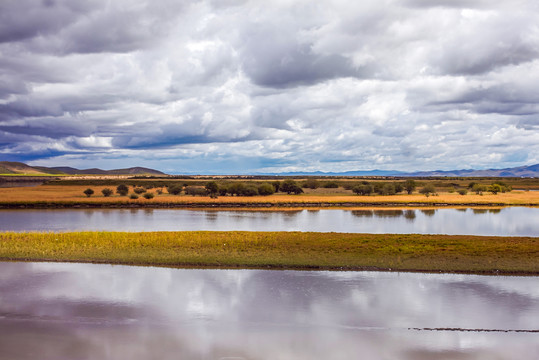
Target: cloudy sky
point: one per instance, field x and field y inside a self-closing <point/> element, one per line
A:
<point x="239" y="86"/>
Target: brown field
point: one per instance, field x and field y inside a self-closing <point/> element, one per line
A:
<point x="73" y="194"/>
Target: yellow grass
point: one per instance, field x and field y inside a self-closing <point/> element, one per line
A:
<point x="74" y="194"/>
<point x="479" y="254"/>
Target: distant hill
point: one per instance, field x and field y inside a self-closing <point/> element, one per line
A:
<point x="346" y="173"/>
<point x="11" y="167"/>
<point x="8" y="167"/>
<point x="521" y="171"/>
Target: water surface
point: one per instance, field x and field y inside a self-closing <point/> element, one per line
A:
<point x="511" y="221"/>
<point x="83" y="311"/>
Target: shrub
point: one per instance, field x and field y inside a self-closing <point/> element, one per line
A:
<point x="122" y="189"/>
<point x="223" y="190"/>
<point x="389" y="189"/>
<point x="377" y="187"/>
<point x="195" y="190"/>
<point x="236" y="188"/>
<point x="478" y="189"/>
<point x="331" y="185"/>
<point x="265" y="189"/>
<point x="427" y="190"/>
<point x="88" y="192"/>
<point x="159" y="191"/>
<point x="311" y="184"/>
<point x="133" y="196"/>
<point x="276" y="185"/>
<point x="148" y="195"/>
<point x="384" y="188"/>
<point x="290" y="186"/>
<point x="363" y="189"/>
<point x="463" y="191"/>
<point x="500" y="186"/>
<point x="107" y="192"/>
<point x="250" y="190"/>
<point x="174" y="189"/>
<point x="139" y="190"/>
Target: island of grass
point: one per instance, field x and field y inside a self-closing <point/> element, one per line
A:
<point x="282" y="250"/>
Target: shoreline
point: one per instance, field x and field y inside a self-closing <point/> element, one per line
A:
<point x="284" y="268"/>
<point x="483" y="255"/>
<point x="249" y="205"/>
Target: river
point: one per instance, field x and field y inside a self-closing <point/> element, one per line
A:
<point x="510" y="221"/>
<point x="85" y="311"/>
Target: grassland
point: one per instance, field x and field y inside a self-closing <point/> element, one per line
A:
<point x="69" y="196"/>
<point x="280" y="250"/>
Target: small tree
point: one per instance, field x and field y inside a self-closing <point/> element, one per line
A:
<point x="122" y="189"/>
<point x="107" y="192"/>
<point x="212" y="188"/>
<point x="290" y="186"/>
<point x="265" y="189"/>
<point x="427" y="190"/>
<point x="478" y="189"/>
<point x="88" y="192"/>
<point x="133" y="196"/>
<point x="495" y="188"/>
<point x="409" y="186"/>
<point x="139" y="190"/>
<point x="276" y="185"/>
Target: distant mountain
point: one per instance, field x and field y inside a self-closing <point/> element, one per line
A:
<point x="521" y="171"/>
<point x="346" y="173"/>
<point x="8" y="167"/>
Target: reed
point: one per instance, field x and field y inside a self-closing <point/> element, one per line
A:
<point x="305" y="250"/>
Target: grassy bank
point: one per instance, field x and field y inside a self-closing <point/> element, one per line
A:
<point x="471" y="254"/>
<point x="70" y="196"/>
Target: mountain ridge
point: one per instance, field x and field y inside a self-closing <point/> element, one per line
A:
<point x="520" y="171"/>
<point x="14" y="168"/>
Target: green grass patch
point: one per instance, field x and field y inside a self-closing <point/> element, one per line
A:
<point x="306" y="250"/>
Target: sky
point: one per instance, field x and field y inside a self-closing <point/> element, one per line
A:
<point x="239" y="86"/>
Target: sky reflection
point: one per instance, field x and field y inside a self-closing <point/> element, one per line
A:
<point x="513" y="221"/>
<point x="100" y="311"/>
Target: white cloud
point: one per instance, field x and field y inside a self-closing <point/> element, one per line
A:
<point x="247" y="85"/>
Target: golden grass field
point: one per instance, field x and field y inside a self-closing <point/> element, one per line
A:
<point x="69" y="195"/>
<point x="300" y="250"/>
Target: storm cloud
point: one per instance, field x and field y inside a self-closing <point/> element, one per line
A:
<point x="251" y="86"/>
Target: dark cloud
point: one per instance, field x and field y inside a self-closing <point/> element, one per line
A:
<point x="274" y="59"/>
<point x="284" y="86"/>
<point x="26" y="19"/>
